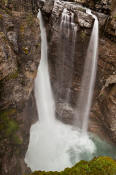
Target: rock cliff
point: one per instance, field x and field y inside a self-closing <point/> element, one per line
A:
<point x="19" y="60"/>
<point x="104" y="102"/>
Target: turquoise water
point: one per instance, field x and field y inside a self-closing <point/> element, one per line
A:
<point x="102" y="148"/>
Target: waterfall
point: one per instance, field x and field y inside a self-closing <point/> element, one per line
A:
<point x="67" y="21"/>
<point x="88" y="78"/>
<point x="43" y="89"/>
<point x="68" y="31"/>
<point x="53" y="146"/>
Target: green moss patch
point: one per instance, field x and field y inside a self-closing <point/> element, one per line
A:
<point x="17" y="140"/>
<point x="8" y="126"/>
<point x="97" y="166"/>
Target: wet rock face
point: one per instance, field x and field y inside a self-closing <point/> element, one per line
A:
<point x="59" y="42"/>
<point x="19" y="59"/>
<point x="61" y="47"/>
<point x="65" y="112"/>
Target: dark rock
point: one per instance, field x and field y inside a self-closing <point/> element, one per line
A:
<point x="64" y="112"/>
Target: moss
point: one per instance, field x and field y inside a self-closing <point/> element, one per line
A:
<point x="25" y="50"/>
<point x="17" y="140"/>
<point x="12" y="127"/>
<point x="8" y="126"/>
<point x="97" y="166"/>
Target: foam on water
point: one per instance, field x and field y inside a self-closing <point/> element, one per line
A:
<point x="57" y="146"/>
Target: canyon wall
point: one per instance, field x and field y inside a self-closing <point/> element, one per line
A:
<point x="19" y="59"/>
<point x="102" y="117"/>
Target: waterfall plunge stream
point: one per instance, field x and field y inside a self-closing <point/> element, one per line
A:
<point x="68" y="33"/>
<point x="88" y="79"/>
<point x="53" y="145"/>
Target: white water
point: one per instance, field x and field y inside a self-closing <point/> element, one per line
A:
<point x="43" y="91"/>
<point x="68" y="30"/>
<point x="67" y="21"/>
<point x="53" y="146"/>
<point x="88" y="78"/>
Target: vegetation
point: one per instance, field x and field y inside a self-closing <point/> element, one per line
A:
<point x="97" y="166"/>
<point x="8" y="126"/>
